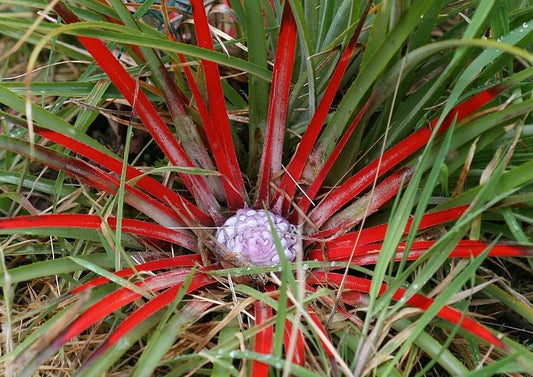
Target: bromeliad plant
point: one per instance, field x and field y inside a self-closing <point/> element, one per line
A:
<point x="274" y="234"/>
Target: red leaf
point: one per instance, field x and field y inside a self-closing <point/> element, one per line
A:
<point x="315" y="186"/>
<point x="298" y="161"/>
<point x="166" y="263"/>
<point x="185" y="209"/>
<point x="148" y="309"/>
<point x="299" y="348"/>
<point x="368" y="254"/>
<point x="277" y="110"/>
<point x="218" y="130"/>
<point x="147" y="113"/>
<point x="263" y="339"/>
<point x="447" y="313"/>
<point x="321" y="328"/>
<point x="116" y="300"/>
<point x="83" y="221"/>
<point x="341" y="195"/>
<point x="361" y="208"/>
<point x="377" y="233"/>
<point x="93" y="176"/>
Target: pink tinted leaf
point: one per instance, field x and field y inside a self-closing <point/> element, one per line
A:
<point x="148" y="309"/>
<point x="298" y="161"/>
<point x="447" y="313"/>
<point x="218" y="130"/>
<point x="277" y="111"/>
<point x="394" y="156"/>
<point x="186" y="210"/>
<point x="147" y="113"/>
<point x="263" y="339"/>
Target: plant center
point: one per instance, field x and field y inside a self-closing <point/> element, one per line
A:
<point x="246" y="238"/>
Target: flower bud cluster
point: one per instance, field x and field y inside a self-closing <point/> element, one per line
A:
<point x="247" y="239"/>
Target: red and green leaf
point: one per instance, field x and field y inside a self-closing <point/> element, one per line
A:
<point x="218" y="130"/>
<point x="82" y="221"/>
<point x="361" y="180"/>
<point x="447" y="313"/>
<point x="263" y="339"/>
<point x="146" y="112"/>
<point x="298" y="161"/>
<point x="277" y="111"/>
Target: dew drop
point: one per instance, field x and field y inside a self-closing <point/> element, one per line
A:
<point x="415" y="286"/>
<point x="333" y="264"/>
<point x="402" y="300"/>
<point x="525" y="24"/>
<point x="422" y="16"/>
<point x="280" y="269"/>
<point x="305" y="266"/>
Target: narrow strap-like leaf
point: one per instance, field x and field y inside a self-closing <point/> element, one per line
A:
<point x="165" y="263"/>
<point x="299" y="347"/>
<point x="94" y="177"/>
<point x="117" y="300"/>
<point x="184" y="208"/>
<point x="377" y="233"/>
<point x="305" y="202"/>
<point x="277" y="111"/>
<point x="218" y="131"/>
<point x="83" y="221"/>
<point x="447" y="313"/>
<point x="297" y="163"/>
<point x="344" y="193"/>
<point x="362" y="255"/>
<point x="148" y="309"/>
<point x="263" y="339"/>
<point x="146" y="112"/>
<point x="365" y="206"/>
<point x="320" y="328"/>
